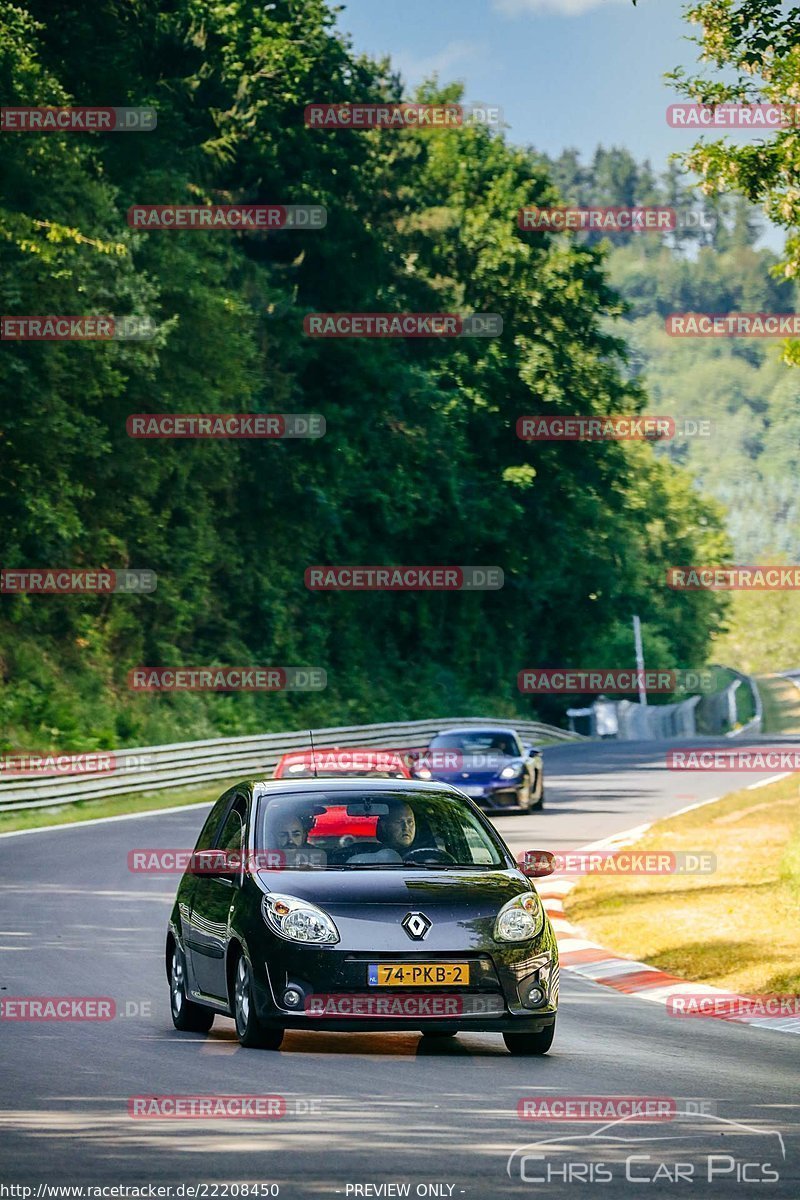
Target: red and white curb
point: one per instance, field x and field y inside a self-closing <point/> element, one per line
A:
<point x="591" y="961"/>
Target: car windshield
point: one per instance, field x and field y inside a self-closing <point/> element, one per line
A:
<point x="374" y="830"/>
<point x="478" y="743"/>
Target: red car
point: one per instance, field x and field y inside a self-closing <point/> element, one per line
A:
<point x="335" y="762"/>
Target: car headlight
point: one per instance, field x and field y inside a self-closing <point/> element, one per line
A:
<point x="511" y="771"/>
<point x="297" y="919"/>
<point x="519" y="920"/>
<point x="422" y="773"/>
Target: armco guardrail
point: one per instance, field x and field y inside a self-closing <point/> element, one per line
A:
<point x="156" y="768"/>
<point x="717" y="712"/>
<point x="756" y="722"/>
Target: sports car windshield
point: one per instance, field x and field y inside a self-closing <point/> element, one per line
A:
<point x="373" y="830"/>
<point x="478" y="744"/>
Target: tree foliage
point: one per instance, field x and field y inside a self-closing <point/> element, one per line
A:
<point x="420" y="463"/>
<point x="753" y="48"/>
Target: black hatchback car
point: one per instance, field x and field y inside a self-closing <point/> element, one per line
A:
<point x="417" y="917"/>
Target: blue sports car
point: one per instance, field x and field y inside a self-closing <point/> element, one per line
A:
<point x="490" y="765"/>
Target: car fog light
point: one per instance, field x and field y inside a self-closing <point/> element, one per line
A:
<point x="291" y="998"/>
<point x="536" y="996"/>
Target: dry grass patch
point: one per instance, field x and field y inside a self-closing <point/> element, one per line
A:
<point x="738" y="928"/>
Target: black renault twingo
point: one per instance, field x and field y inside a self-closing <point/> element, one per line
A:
<point x="376" y="904"/>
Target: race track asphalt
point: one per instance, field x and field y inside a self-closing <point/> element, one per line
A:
<point x="370" y="1109"/>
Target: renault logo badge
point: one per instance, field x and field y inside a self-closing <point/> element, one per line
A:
<point x="416" y="925"/>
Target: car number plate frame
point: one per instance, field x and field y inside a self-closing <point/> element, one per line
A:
<point x="411" y="974"/>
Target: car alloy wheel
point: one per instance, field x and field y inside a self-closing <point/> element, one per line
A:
<point x="534" y="795"/>
<point x="249" y="1030"/>
<point x="186" y="1015"/>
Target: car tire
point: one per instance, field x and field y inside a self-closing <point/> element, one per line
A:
<point x="532" y="802"/>
<point x="187" y="1016"/>
<point x="526" y="1044"/>
<point x="536" y="803"/>
<point x="250" y="1031"/>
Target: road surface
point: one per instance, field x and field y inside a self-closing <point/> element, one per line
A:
<point x="374" y="1109"/>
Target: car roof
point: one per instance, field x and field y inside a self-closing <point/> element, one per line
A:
<point x="326" y="751"/>
<point x="367" y="784"/>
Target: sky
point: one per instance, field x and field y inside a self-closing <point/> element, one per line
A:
<point x="564" y="72"/>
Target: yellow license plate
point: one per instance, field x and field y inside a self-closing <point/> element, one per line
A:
<point x="418" y="974"/>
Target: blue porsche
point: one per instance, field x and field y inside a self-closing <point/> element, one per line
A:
<point x="490" y="765"/>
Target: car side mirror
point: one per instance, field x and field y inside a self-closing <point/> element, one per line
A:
<point x="537" y="863"/>
<point x="215" y="862"/>
<point x="532" y="751"/>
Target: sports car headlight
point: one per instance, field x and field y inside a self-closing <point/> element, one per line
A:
<point x="519" y="920"/>
<point x="297" y="919"/>
<point x="511" y="771"/>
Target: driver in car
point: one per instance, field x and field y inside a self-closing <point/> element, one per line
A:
<point x="289" y="832"/>
<point x="395" y="831"/>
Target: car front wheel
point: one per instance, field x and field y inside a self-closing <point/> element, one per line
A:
<point x="249" y="1030"/>
<point x="530" y="1043"/>
<point x="534" y="801"/>
<point x="186" y="1015"/>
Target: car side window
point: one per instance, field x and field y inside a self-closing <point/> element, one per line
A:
<point x="209" y="831"/>
<point x="231" y="835"/>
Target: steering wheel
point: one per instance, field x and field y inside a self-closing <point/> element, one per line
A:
<point x="428" y="854"/>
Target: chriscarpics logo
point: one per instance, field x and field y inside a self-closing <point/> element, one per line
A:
<point x="707" y="1154"/>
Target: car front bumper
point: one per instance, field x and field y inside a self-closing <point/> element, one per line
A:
<point x="334" y="994"/>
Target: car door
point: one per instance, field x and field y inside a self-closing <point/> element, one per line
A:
<point x="186" y="888"/>
<point x="212" y="900"/>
